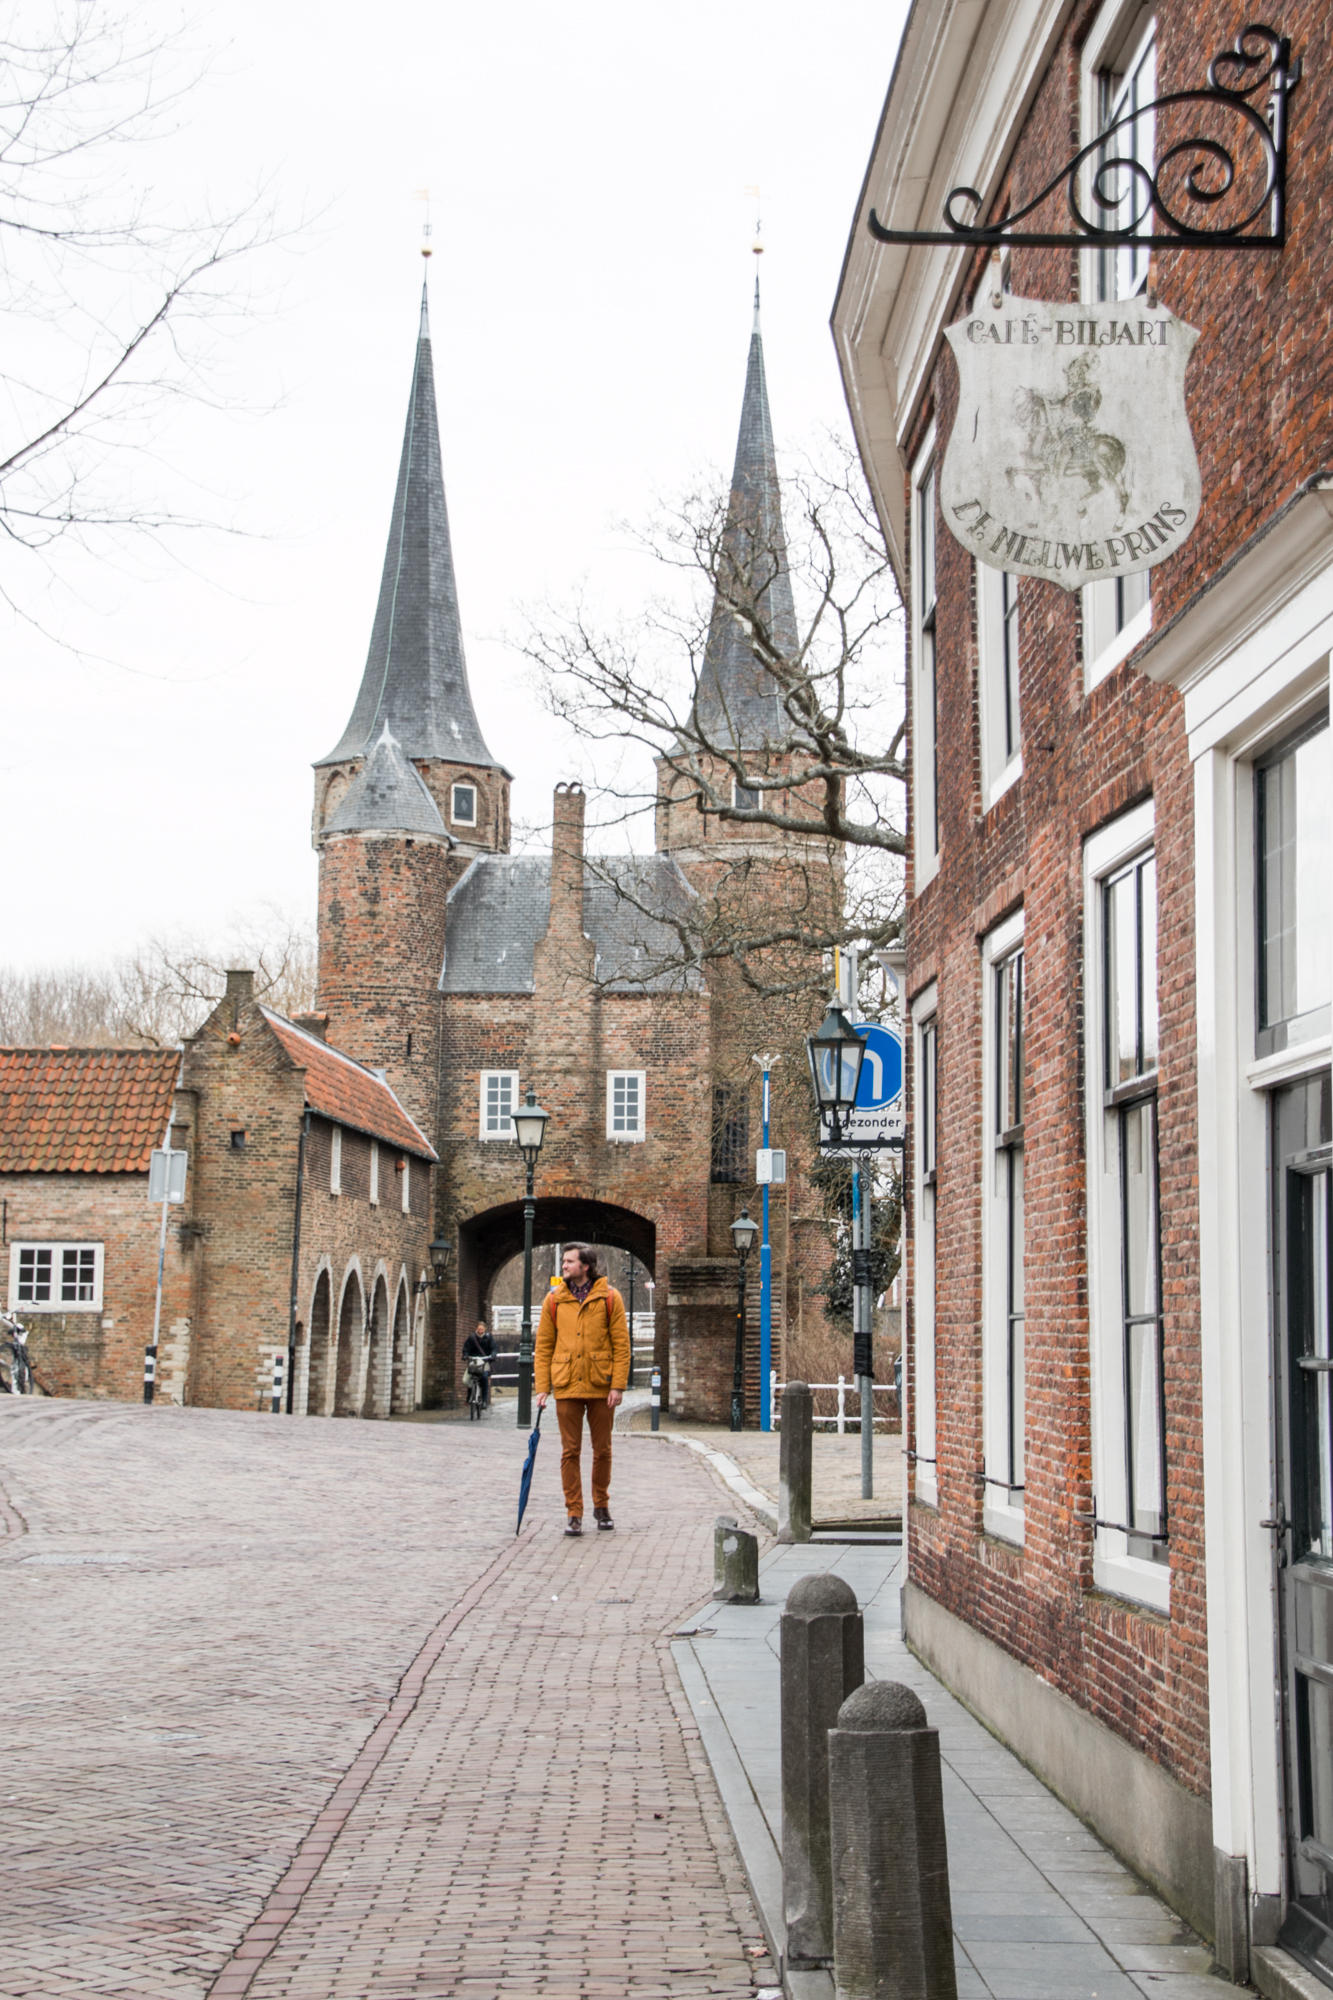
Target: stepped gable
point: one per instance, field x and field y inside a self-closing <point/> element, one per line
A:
<point x="737" y="702"/>
<point x="416" y="674"/>
<point x="84" y="1111"/>
<point x="501" y="908"/>
<point x="348" y="1092"/>
<point x="388" y="795"/>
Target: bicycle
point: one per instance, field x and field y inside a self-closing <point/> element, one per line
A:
<point x="16" y="1367"/>
<point x="477" y="1371"/>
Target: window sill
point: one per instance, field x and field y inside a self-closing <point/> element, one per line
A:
<point x="927" y="1491"/>
<point x="1289" y="1063"/>
<point x="1005" y="1522"/>
<point x="1110" y="657"/>
<point x="628" y="1139"/>
<point x="1130" y="1577"/>
<point x="1007" y="779"/>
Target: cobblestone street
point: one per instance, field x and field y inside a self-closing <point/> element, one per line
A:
<point x="292" y="1713"/>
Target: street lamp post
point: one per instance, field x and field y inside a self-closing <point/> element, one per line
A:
<point x="529" y="1131"/>
<point x="835" y="1052"/>
<point x="743" y="1233"/>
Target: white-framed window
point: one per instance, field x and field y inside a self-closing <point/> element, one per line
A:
<point x="746" y="798"/>
<point x="336" y="1161"/>
<point x="626" y="1095"/>
<point x="374" y="1172"/>
<point x="407" y="1184"/>
<point x="55" y="1277"/>
<point x="1293" y="784"/>
<point x="1124" y="1232"/>
<point x="926" y="1076"/>
<point x="997" y="680"/>
<point x="463" y="805"/>
<point x="1004" y="1240"/>
<point x="1119" y="78"/>
<point x="925" y="691"/>
<point x="499" y="1095"/>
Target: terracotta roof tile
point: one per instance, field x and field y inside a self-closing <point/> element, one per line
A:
<point x="347" y="1092"/>
<point x="84" y="1111"/>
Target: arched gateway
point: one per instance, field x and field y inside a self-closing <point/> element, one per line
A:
<point x="486" y="1242"/>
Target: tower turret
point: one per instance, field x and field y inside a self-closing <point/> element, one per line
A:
<point x="415" y="678"/>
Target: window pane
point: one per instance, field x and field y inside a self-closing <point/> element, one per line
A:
<point x="1139" y="1169"/>
<point x="1148" y="962"/>
<point x="1143" y="1325"/>
<point x="1016" y="1315"/>
<point x="1123" y="272"/>
<point x="1121" y="981"/>
<point x="78" y="1268"/>
<point x="34" y="1277"/>
<point x="1145" y="1428"/>
<point x="1293" y="882"/>
<point x="731" y="1133"/>
<point x="927" y="533"/>
<point x="928" y="1080"/>
<point x="1009" y="603"/>
<point x="1009" y="1043"/>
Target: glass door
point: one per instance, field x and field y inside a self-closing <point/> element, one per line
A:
<point x="1302" y="1236"/>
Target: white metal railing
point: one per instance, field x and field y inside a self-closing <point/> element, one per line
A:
<point x="842" y="1420"/>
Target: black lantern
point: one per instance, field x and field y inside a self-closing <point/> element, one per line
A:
<point x="530" y="1128"/>
<point x="744" y="1234"/>
<point x="836" y="1053"/>
<point x="441" y="1252"/>
<point x="529" y="1131"/>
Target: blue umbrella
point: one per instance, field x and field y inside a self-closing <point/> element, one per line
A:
<point x="525" y="1483"/>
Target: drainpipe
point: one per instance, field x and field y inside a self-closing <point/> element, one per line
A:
<point x="296" y="1267"/>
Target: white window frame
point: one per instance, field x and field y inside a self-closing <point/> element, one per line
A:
<point x="640" y="1077"/>
<point x="462" y="819"/>
<point x="925" y="802"/>
<point x="1105" y="853"/>
<point x="1002" y="1515"/>
<point x="925" y="1016"/>
<point x="55" y="1304"/>
<point x="505" y="1130"/>
<point x="374" y="1173"/>
<point x="1000" y="768"/>
<point x="407" y="1184"/>
<point x="336" y="1161"/>
<point x="757" y="791"/>
<point x="1122" y="27"/>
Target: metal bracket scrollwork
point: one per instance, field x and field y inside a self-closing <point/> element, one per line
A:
<point x="1202" y="167"/>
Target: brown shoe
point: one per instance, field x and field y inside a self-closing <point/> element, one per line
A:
<point x="574" y="1525"/>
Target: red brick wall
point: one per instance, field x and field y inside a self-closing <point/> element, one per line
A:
<point x="1259" y="398"/>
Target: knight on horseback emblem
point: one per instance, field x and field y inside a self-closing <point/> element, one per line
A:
<point x="1071" y="455"/>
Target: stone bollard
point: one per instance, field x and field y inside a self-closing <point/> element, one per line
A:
<point x="892" y="1923"/>
<point x="735" y="1563"/>
<point x="823" y="1661"/>
<point x="795" y="1463"/>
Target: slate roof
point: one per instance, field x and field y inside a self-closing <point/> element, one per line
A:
<point x="388" y="795"/>
<point x="347" y="1092"/>
<point x="84" y="1111"/>
<point x="416" y="674"/>
<point x="737" y="701"/>
<point x="501" y="908"/>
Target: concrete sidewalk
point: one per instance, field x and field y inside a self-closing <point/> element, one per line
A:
<point x="1041" y="1910"/>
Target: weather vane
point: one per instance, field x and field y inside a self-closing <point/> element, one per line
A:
<point x="758" y="244"/>
<point x="423" y="194"/>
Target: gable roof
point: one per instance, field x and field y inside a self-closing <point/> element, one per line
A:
<point x="501" y="908"/>
<point x="84" y="1111"/>
<point x="347" y="1092"/>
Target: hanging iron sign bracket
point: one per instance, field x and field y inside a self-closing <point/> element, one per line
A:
<point x="1207" y="168"/>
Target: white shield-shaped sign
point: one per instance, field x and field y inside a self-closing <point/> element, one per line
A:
<point x="1071" y="456"/>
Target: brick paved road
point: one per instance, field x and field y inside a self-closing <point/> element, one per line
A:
<point x="244" y="1652"/>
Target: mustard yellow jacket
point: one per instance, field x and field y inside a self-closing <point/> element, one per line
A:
<point x="582" y="1350"/>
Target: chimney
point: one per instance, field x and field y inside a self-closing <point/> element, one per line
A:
<point x="316" y="1025"/>
<point x="567" y="861"/>
<point x="240" y="987"/>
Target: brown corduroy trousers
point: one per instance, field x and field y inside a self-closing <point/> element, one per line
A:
<point x="570" y="1412"/>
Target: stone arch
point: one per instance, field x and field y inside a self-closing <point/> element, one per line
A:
<point x="351" y="1336"/>
<point x="379" y="1349"/>
<point x="318" y="1371"/>
<point x="487" y="1241"/>
<point x="402" y="1387"/>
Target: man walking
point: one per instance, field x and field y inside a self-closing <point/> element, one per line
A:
<point x="583" y="1356"/>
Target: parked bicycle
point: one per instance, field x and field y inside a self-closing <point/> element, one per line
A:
<point x="15" y="1366"/>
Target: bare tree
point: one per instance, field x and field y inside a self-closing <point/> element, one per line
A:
<point x="106" y="287"/>
<point x="821" y="783"/>
<point x="158" y="994"/>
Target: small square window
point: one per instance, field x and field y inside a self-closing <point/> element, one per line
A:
<point x="55" y="1277"/>
<point x="463" y="808"/>
<point x="747" y="798"/>
<point x="625" y="1103"/>
<point x="238" y="1142"/>
<point x="499" y="1095"/>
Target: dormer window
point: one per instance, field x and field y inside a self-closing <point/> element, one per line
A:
<point x="463" y="807"/>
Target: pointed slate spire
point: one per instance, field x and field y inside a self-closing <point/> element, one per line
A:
<point x="387" y="795"/>
<point x="737" y="700"/>
<point x="416" y="676"/>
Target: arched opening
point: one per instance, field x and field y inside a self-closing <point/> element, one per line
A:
<point x="351" y="1325"/>
<point x="317" y="1365"/>
<point x="379" y="1353"/>
<point x="401" y="1389"/>
<point x="488" y="1241"/>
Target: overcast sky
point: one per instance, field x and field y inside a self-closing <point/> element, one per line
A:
<point x="590" y="307"/>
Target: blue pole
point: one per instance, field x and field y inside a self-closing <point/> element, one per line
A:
<point x="765" y="1302"/>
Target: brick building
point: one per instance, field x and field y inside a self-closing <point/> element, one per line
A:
<point x="1118" y="967"/>
<point x="468" y="974"/>
<point x="304" y="1230"/>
